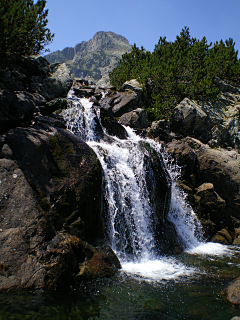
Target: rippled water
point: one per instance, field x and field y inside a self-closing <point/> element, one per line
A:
<point x="164" y="292"/>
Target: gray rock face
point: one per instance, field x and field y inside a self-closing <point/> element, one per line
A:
<point x="214" y="123"/>
<point x="136" y="119"/>
<point x="119" y="103"/>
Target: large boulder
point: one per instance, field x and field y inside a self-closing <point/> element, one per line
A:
<point x="136" y="119"/>
<point x="64" y="173"/>
<point x="188" y="117"/>
<point x="50" y="197"/>
<point x="111" y="125"/>
<point x="232" y="292"/>
<point x="119" y="103"/>
<point x="28" y="85"/>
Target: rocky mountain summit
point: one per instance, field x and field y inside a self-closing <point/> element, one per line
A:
<point x="93" y="59"/>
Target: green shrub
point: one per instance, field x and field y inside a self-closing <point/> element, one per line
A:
<point x="186" y="67"/>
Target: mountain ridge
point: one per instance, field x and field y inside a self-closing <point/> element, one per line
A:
<point x="93" y="59"/>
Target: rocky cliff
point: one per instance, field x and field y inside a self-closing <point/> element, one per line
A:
<point x="92" y="60"/>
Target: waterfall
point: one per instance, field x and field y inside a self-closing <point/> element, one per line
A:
<point x="130" y="227"/>
<point x="130" y="224"/>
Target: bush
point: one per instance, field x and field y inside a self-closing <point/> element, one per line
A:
<point x="186" y="67"/>
<point x="23" y="28"/>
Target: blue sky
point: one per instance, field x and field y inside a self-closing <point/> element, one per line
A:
<point x="142" y="21"/>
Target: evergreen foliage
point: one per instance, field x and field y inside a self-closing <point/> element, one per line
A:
<point x="186" y="67"/>
<point x="23" y="27"/>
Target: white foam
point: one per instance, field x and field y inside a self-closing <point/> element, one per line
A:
<point x="157" y="270"/>
<point x="211" y="249"/>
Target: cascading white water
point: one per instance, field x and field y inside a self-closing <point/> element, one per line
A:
<point x="130" y="223"/>
<point x="126" y="190"/>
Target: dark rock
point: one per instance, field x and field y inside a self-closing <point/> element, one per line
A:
<point x="53" y="105"/>
<point x="223" y="236"/>
<point x="136" y="119"/>
<point x="158" y="184"/>
<point x="17" y="108"/>
<point x="40" y="120"/>
<point x="111" y="125"/>
<point x="84" y="92"/>
<point x="64" y="173"/>
<point x="160" y="129"/>
<point x="57" y="84"/>
<point x="33" y="66"/>
<point x="212" y="206"/>
<point x="103" y="263"/>
<point x="50" y="180"/>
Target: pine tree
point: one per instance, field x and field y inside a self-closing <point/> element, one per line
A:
<point x="23" y="27"/>
<point x="186" y="67"/>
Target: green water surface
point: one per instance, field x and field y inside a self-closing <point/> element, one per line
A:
<point x="128" y="297"/>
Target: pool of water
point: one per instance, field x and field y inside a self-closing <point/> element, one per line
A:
<point x="185" y="286"/>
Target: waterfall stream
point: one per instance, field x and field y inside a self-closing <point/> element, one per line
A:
<point x="130" y="225"/>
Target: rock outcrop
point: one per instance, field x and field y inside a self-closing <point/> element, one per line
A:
<point x="211" y="178"/>
<point x="214" y="123"/>
<point x="28" y="85"/>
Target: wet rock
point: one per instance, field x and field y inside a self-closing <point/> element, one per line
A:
<point x="223" y="236"/>
<point x="232" y="292"/>
<point x="136" y="119"/>
<point x="158" y="184"/>
<point x="103" y="263"/>
<point x="111" y="125"/>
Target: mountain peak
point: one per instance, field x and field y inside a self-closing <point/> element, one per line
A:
<point x="93" y="59"/>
